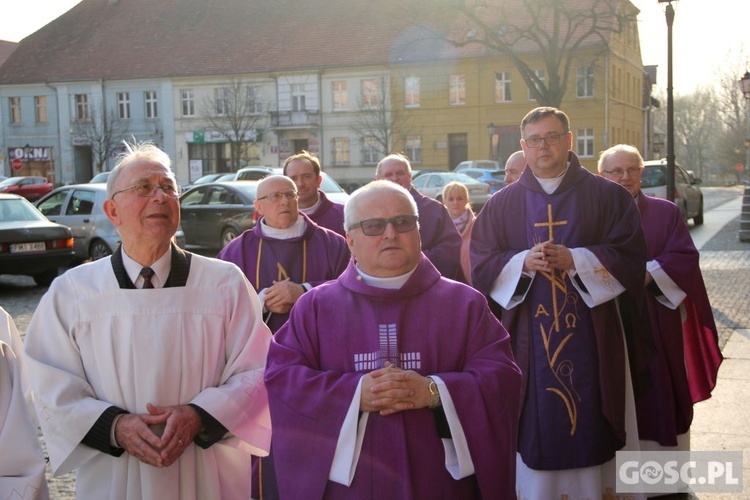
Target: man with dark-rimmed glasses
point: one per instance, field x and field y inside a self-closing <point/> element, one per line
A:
<point x="392" y="381"/>
<point x="562" y="253"/>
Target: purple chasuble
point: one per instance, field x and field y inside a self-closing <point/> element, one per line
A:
<point x="685" y="367"/>
<point x="315" y="257"/>
<point x="329" y="215"/>
<point x="441" y="242"/>
<point x="344" y="329"/>
<point x="572" y="355"/>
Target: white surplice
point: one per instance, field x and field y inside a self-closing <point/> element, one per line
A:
<point x="91" y="345"/>
<point x="21" y="460"/>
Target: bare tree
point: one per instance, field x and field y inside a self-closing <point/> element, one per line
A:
<point x="553" y="30"/>
<point x="696" y="128"/>
<point x="380" y="119"/>
<point x="730" y="148"/>
<point x="238" y="112"/>
<point x="104" y="133"/>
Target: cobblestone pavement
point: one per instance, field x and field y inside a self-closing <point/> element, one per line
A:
<point x="725" y="263"/>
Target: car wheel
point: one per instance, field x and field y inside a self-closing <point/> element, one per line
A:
<point x="227" y="235"/>
<point x="698" y="219"/>
<point x="99" y="249"/>
<point x="45" y="278"/>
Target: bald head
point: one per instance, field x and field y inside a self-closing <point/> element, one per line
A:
<point x="514" y="167"/>
<point x="276" y="201"/>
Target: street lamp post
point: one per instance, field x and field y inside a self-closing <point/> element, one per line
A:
<point x="745" y="87"/>
<point x="669" y="12"/>
<point x="27" y="157"/>
<point x="491" y="133"/>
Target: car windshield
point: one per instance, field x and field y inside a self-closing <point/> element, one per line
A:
<point x="19" y="210"/>
<point x="10" y="181"/>
<point x="653" y="176"/>
<point x="248" y="188"/>
<point x="329" y="185"/>
<point x="100" y="177"/>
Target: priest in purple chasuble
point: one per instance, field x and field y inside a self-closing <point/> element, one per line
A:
<point x="286" y="253"/>
<point x="391" y="381"/>
<point x="441" y="242"/>
<point x="562" y="253"/>
<point x="21" y="459"/>
<point x="304" y="169"/>
<point x="685" y="368"/>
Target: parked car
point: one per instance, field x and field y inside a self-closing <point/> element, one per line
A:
<point x="80" y="207"/>
<point x="488" y="164"/>
<point x="100" y="177"/>
<point x="493" y="177"/>
<point x="31" y="245"/>
<point x="687" y="192"/>
<point x="328" y="185"/>
<point x="215" y="213"/>
<point x="432" y="185"/>
<point x="421" y="171"/>
<point x="31" y="188"/>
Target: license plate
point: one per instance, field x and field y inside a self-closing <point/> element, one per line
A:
<point x="37" y="246"/>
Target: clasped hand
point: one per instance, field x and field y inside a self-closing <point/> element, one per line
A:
<point x="546" y="256"/>
<point x="281" y="296"/>
<point x="391" y="389"/>
<point x="181" y="424"/>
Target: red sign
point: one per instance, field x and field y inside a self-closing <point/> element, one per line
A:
<point x="17" y="164"/>
<point x="739" y="167"/>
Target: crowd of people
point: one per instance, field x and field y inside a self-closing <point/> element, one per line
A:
<point x="393" y="347"/>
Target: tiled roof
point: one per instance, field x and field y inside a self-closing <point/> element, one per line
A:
<point x="6" y="49"/>
<point x="129" y="39"/>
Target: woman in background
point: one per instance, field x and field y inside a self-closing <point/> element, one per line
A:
<point x="456" y="200"/>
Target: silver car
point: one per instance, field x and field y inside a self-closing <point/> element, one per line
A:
<point x="431" y="184"/>
<point x="80" y="207"/>
<point x="687" y="195"/>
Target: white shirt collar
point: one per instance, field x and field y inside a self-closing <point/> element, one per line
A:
<point x="551" y="185"/>
<point x="294" y="231"/>
<point x="161" y="268"/>
<point x="393" y="283"/>
<point x="313" y="208"/>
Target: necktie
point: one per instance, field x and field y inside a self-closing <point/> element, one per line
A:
<point x="147" y="274"/>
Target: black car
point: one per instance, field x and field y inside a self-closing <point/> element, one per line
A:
<point x="215" y="213"/>
<point x="31" y="245"/>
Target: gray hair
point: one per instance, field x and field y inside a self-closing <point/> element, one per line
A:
<point x="619" y="148"/>
<point x="393" y="157"/>
<point x="137" y="152"/>
<point x="375" y="187"/>
<point x="542" y="112"/>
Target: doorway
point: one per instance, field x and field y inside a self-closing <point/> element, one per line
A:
<point x="458" y="149"/>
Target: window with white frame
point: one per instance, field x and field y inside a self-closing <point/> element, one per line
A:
<point x="298" y="96"/>
<point x="540" y="76"/>
<point x="123" y="105"/>
<point x="413" y="148"/>
<point x="40" y="106"/>
<point x="152" y="111"/>
<point x="188" y="102"/>
<point x="585" y="81"/>
<point x="14" y="105"/>
<point x="221" y="99"/>
<point x="340" y="150"/>
<point x="369" y="89"/>
<point x="585" y="142"/>
<point x="254" y="100"/>
<point x="83" y="113"/>
<point x="370" y="153"/>
<point x="411" y="92"/>
<point x="457" y="89"/>
<point x="340" y="95"/>
<point x="502" y="86"/>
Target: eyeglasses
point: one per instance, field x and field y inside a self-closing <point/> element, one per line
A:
<point x="376" y="227"/>
<point x="617" y="172"/>
<point x="147" y="189"/>
<point x="276" y="197"/>
<point x="550" y="139"/>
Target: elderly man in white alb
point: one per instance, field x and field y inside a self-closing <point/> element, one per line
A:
<point x="147" y="366"/>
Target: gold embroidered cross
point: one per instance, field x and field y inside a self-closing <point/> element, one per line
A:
<point x="550" y="223"/>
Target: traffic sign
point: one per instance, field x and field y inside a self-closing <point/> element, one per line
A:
<point x="17" y="164"/>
